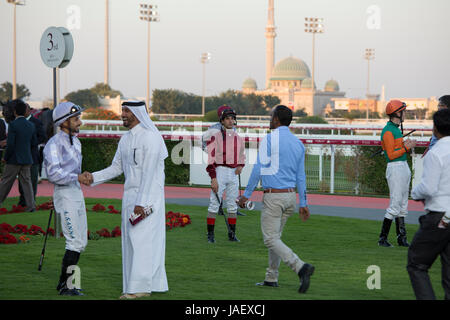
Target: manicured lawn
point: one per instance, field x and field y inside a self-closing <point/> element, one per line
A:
<point x="341" y="249"/>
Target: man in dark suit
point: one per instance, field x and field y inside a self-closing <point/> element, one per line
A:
<point x="37" y="159"/>
<point x="2" y="134"/>
<point x="21" y="136"/>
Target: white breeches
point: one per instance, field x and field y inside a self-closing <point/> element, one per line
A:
<point x="398" y="176"/>
<point x="69" y="204"/>
<point x="228" y="182"/>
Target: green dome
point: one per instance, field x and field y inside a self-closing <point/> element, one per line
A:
<point x="306" y="83"/>
<point x="249" y="83"/>
<point x="331" y="85"/>
<point x="290" y="69"/>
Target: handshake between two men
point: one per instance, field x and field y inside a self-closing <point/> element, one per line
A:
<point x="86" y="178"/>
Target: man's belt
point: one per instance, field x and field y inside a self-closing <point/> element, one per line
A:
<point x="270" y="190"/>
<point x="434" y="212"/>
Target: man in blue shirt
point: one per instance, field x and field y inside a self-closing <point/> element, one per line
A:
<point x="280" y="166"/>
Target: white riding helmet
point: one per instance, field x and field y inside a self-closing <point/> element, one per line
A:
<point x="64" y="111"/>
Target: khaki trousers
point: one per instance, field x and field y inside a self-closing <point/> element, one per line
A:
<point x="277" y="208"/>
<point x="10" y="173"/>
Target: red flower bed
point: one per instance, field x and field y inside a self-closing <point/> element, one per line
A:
<point x="173" y="220"/>
<point x="51" y="231"/>
<point x="35" y="230"/>
<point x="45" y="206"/>
<point x="176" y="219"/>
<point x="116" y="232"/>
<point x="20" y="228"/>
<point x="100" y="113"/>
<point x="6" y="227"/>
<point x="7" y="239"/>
<point x="104" y="233"/>
<point x="112" y="210"/>
<point x="17" y="209"/>
<point x="98" y="208"/>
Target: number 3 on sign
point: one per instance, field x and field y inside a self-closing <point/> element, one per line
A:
<point x="50" y="36"/>
<point x="50" y="40"/>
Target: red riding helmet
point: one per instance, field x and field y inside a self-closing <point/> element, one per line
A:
<point x="225" y="111"/>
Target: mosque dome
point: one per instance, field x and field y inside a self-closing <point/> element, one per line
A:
<point x="306" y="83"/>
<point x="290" y="69"/>
<point x="331" y="85"/>
<point x="249" y="83"/>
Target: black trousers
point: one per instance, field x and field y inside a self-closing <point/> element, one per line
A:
<point x="428" y="243"/>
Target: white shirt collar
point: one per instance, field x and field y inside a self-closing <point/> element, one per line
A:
<point x="136" y="129"/>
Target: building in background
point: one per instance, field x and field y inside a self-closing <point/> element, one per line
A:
<point x="291" y="82"/>
<point x="290" y="79"/>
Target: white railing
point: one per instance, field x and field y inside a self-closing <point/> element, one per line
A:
<point x="373" y="129"/>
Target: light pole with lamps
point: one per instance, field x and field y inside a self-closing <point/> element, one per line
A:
<point x="313" y="25"/>
<point x="106" y="71"/>
<point x="15" y="3"/>
<point x="149" y="14"/>
<point x="204" y="59"/>
<point x="369" y="55"/>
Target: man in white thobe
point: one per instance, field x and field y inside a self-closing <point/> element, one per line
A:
<point x="140" y="156"/>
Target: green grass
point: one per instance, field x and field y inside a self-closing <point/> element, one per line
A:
<point x="341" y="250"/>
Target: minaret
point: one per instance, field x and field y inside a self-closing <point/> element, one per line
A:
<point x="270" y="44"/>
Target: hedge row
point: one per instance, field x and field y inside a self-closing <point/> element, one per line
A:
<point x="370" y="170"/>
<point x="99" y="153"/>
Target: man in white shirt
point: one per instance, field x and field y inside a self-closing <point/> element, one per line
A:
<point x="140" y="156"/>
<point x="433" y="237"/>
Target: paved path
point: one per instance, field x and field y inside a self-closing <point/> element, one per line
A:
<point x="330" y="205"/>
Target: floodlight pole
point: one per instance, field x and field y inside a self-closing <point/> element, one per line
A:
<point x="14" y="81"/>
<point x="369" y="55"/>
<point x="205" y="57"/>
<point x="313" y="25"/>
<point x="149" y="14"/>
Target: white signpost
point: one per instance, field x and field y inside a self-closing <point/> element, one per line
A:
<point x="56" y="49"/>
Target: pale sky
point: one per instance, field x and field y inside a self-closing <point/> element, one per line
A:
<point x="412" y="44"/>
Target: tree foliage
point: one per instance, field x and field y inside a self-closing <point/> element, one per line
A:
<point x="176" y="101"/>
<point x="103" y="90"/>
<point x="89" y="98"/>
<point x="354" y="114"/>
<point x="6" y="89"/>
<point x="311" y="119"/>
<point x="84" y="97"/>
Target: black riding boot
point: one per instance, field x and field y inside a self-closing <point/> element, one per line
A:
<point x="232" y="234"/>
<point x="383" y="241"/>
<point x="211" y="233"/>
<point x="401" y="232"/>
<point x="70" y="258"/>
